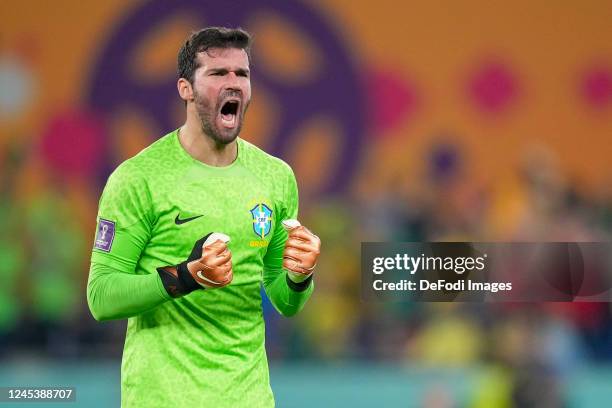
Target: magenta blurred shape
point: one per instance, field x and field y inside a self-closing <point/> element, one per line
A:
<point x="73" y="143"/>
<point x="391" y="101"/>
<point x="493" y="87"/>
<point x="597" y="86"/>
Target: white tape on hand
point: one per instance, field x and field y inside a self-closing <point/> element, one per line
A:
<point x="290" y="224"/>
<point x="216" y="236"/>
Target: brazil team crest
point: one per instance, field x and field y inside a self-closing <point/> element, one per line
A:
<point x="262" y="219"/>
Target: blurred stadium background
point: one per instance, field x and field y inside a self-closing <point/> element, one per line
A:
<point x="476" y="120"/>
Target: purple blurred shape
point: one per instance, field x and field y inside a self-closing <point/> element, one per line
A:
<point x="444" y="162"/>
<point x="335" y="93"/>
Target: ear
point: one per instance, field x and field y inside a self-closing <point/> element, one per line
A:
<point x="185" y="89"/>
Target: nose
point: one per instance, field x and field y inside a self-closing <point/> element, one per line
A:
<point x="233" y="81"/>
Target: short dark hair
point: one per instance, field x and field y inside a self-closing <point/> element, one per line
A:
<point x="206" y="38"/>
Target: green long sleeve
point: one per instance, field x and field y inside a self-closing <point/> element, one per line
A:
<point x="112" y="294"/>
<point x="286" y="296"/>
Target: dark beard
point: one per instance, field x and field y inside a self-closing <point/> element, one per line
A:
<point x="207" y="123"/>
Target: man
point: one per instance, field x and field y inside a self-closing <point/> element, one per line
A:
<point x="195" y="333"/>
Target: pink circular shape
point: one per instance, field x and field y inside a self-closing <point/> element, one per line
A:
<point x="493" y="87"/>
<point x="73" y="143"/>
<point x="391" y="100"/>
<point x="597" y="87"/>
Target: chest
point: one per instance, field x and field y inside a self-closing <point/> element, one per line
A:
<point x="239" y="205"/>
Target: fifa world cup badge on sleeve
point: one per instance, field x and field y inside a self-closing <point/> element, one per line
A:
<point x="105" y="235"/>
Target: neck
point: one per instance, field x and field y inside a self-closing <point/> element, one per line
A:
<point x="202" y="147"/>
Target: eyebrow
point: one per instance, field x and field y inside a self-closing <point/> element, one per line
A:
<point x="241" y="71"/>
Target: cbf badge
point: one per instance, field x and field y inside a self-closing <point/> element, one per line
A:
<point x="262" y="219"/>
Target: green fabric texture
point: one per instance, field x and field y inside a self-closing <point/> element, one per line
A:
<point x="205" y="348"/>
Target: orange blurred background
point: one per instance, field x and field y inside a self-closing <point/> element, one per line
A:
<point x="475" y="120"/>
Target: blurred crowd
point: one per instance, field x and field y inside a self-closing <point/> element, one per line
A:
<point x="523" y="350"/>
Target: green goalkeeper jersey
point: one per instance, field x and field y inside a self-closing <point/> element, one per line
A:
<point x="205" y="349"/>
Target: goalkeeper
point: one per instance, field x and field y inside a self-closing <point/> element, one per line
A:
<point x="187" y="231"/>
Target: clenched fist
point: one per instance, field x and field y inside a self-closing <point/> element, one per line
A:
<point x="214" y="268"/>
<point x="209" y="265"/>
<point x="301" y="252"/>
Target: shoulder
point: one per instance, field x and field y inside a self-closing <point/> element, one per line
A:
<point x="127" y="194"/>
<point x="148" y="162"/>
<point x="264" y="163"/>
<point x="272" y="171"/>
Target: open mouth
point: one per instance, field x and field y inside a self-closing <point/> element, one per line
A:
<point x="229" y="113"/>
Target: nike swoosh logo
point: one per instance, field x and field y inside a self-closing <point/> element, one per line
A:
<point x="201" y="276"/>
<point x="179" y="221"/>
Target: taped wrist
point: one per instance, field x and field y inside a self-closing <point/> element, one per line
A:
<point x="177" y="279"/>
<point x="299" y="286"/>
